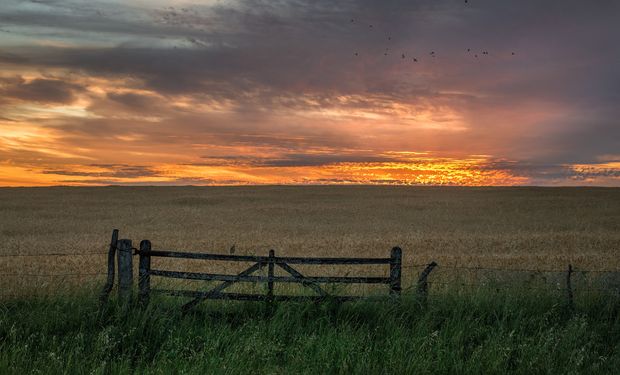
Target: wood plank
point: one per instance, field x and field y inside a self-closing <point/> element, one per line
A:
<point x="221" y="287"/>
<point x="302" y="279"/>
<point x="282" y="279"/>
<point x="270" y="275"/>
<point x="302" y="260"/>
<point x="258" y="297"/>
<point x="265" y="259"/>
<point x="395" y="270"/>
<point x="144" y="277"/>
<point x="224" y="257"/>
<point x="125" y="271"/>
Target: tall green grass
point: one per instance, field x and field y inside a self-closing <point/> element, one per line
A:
<point x="477" y="332"/>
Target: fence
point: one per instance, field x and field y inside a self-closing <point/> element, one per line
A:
<point x="33" y="276"/>
<point x="146" y="253"/>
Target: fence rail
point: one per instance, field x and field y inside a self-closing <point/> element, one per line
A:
<point x="266" y="259"/>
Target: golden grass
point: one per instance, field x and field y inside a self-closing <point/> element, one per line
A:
<point x="537" y="228"/>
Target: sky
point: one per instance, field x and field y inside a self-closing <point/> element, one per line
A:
<point x="412" y="92"/>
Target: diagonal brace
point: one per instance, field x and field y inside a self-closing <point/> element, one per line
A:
<point x="221" y="287"/>
<point x="296" y="274"/>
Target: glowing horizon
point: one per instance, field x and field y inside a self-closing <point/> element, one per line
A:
<point x="235" y="93"/>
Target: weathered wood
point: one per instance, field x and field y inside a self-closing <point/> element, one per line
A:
<point x="569" y="288"/>
<point x="220" y="287"/>
<point x="146" y="253"/>
<point x="423" y="282"/>
<point x="302" y="279"/>
<point x="395" y="270"/>
<point x="302" y="260"/>
<point x="264" y="259"/>
<point x="144" y="277"/>
<point x="125" y="271"/>
<point x="270" y="275"/>
<point x="281" y="279"/>
<point x="258" y="297"/>
<point x="109" y="284"/>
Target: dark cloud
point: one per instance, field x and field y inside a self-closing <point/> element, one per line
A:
<point x="134" y="101"/>
<point x="114" y="171"/>
<point x="10" y="58"/>
<point x="296" y="160"/>
<point x="169" y="182"/>
<point x="38" y="90"/>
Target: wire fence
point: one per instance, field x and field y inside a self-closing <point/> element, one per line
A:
<point x="35" y="277"/>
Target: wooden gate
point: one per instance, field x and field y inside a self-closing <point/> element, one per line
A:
<point x="146" y="272"/>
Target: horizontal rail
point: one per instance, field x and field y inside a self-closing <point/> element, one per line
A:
<point x="282" y="279"/>
<point x="301" y="260"/>
<point x="264" y="259"/>
<point x="186" y="255"/>
<point x="252" y="297"/>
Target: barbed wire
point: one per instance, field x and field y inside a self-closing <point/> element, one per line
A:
<point x="51" y="254"/>
<point x="51" y="274"/>
<point x="519" y="286"/>
<point x="531" y="270"/>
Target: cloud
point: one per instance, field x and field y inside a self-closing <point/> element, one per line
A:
<point x="38" y="90"/>
<point x="108" y="170"/>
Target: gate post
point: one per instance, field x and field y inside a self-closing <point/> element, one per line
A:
<point x="423" y="282"/>
<point x="395" y="270"/>
<point x="272" y="255"/>
<point x="109" y="284"/>
<point x="125" y="271"/>
<point x="569" y="288"/>
<point x="144" y="277"/>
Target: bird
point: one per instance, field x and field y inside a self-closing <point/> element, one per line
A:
<point x="352" y="20"/>
<point x="232" y="249"/>
<point x="389" y="38"/>
<point x="370" y="26"/>
<point x="513" y="53"/>
<point x="415" y="60"/>
<point x="469" y="49"/>
<point x="403" y="55"/>
<point x="356" y="53"/>
<point x="476" y="55"/>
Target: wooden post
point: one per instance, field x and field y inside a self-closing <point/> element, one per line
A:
<point x="109" y="284"/>
<point x="272" y="255"/>
<point x="395" y="270"/>
<point x="423" y="282"/>
<point x="125" y="271"/>
<point x="144" y="280"/>
<point x="569" y="289"/>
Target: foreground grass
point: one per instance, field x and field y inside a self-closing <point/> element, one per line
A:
<point x="473" y="333"/>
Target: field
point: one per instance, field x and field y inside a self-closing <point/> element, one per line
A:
<point x="462" y="330"/>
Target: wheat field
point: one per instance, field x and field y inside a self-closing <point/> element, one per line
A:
<point x="533" y="228"/>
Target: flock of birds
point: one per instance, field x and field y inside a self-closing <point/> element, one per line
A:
<point x="432" y="53"/>
<point x="171" y="14"/>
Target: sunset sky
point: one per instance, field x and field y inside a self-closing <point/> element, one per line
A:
<point x="153" y="92"/>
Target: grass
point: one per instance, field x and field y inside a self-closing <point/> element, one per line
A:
<point x="466" y="333"/>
